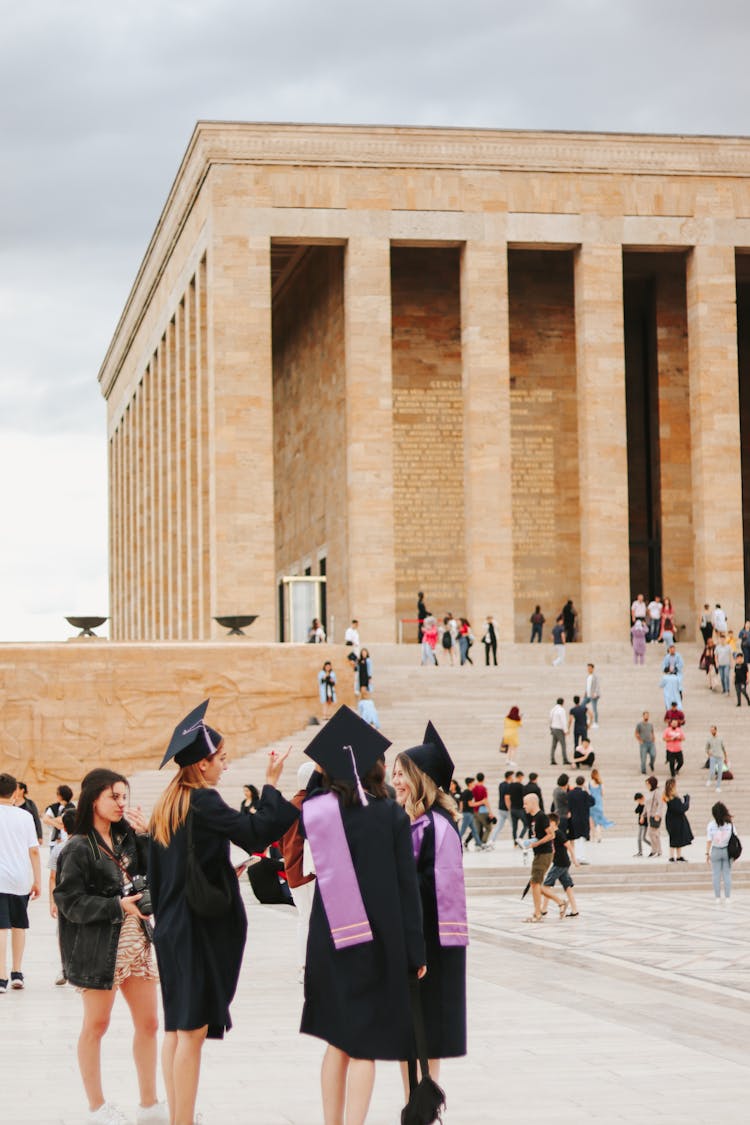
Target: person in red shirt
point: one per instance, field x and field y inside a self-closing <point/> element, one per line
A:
<point x="481" y="806"/>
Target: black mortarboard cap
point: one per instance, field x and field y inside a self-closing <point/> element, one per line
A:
<point x="192" y="740"/>
<point x="433" y="758"/>
<point x="330" y="748"/>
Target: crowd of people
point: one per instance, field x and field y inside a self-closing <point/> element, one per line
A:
<point x="152" y="908"/>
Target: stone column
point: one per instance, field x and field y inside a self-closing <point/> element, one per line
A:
<point x="602" y="439"/>
<point x="369" y="439"/>
<point x="241" y="436"/>
<point x="715" y="430"/>
<point x="485" y="359"/>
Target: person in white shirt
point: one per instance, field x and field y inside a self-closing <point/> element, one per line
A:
<point x="638" y="609"/>
<point x="351" y="636"/>
<point x="654" y="617"/>
<point x="720" y="619"/>
<point x="20" y="879"/>
<point x="592" y="693"/>
<point x="558" y="725"/>
<point x="718" y="833"/>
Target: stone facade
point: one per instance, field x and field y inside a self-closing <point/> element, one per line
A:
<point x="500" y="367"/>
<point x="68" y="708"/>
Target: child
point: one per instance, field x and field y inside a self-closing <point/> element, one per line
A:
<point x="562" y="851"/>
<point x="642" y="820"/>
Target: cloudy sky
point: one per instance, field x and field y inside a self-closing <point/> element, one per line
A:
<point x="97" y="104"/>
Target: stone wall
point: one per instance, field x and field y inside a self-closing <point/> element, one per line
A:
<point x="428" y="471"/>
<point x="67" y="708"/>
<point x="309" y="424"/>
<point x="544" y="437"/>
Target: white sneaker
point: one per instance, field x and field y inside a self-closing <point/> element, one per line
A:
<point x="595" y="726"/>
<point x="156" y="1114"/>
<point x="709" y="783"/>
<point x="107" y="1114"/>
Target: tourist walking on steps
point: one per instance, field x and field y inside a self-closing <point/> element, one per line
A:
<point x="469" y="823"/>
<point x="740" y="679"/>
<point x="105" y="933"/>
<point x="558" y="724"/>
<point x="540" y="840"/>
<point x="717" y="758"/>
<point x="654" y="618"/>
<point x="421" y="776"/>
<point x="429" y="640"/>
<point x="512" y="724"/>
<point x="327" y="689"/>
<point x="674" y="665"/>
<point x="560" y="803"/>
<point x="579" y="803"/>
<point x="667" y="633"/>
<point x="644" y="736"/>
<point x="447" y="642"/>
<point x="537" y="620"/>
<point x="558" y="641"/>
<point x="674" y="740"/>
<point x="503" y="805"/>
<point x="599" y="820"/>
<point x="708" y="663"/>
<point x="465" y="640"/>
<point x="578" y="721"/>
<point x="718" y="834"/>
<point x="199" y="943"/>
<point x="676" y="821"/>
<point x="20" y="880"/>
<point x="569" y="614"/>
<point x="421" y="614"/>
<point x="638" y="635"/>
<point x="365" y="936"/>
<point x="592" y="694"/>
<point x="724" y="657"/>
<point x="562" y="854"/>
<point x="489" y="640"/>
<point x="654" y="810"/>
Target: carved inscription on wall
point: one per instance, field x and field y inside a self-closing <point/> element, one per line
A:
<point x="533" y="477"/>
<point x="428" y="455"/>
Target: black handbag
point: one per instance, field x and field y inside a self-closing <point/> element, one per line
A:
<point x="206" y="899"/>
<point x="654" y="821"/>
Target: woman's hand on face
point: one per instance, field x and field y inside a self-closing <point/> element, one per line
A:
<point x="130" y="906"/>
<point x="275" y="766"/>
<point x="137" y="820"/>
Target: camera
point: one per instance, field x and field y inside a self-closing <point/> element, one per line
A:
<point x="138" y="885"/>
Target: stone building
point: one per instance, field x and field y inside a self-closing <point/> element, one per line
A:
<point x="500" y="367"/>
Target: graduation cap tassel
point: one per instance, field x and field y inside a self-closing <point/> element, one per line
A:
<point x="426" y="1099"/>
<point x="360" y="787"/>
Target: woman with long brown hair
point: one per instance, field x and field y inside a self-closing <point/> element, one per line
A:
<point x="104" y="940"/>
<point x="199" y="955"/>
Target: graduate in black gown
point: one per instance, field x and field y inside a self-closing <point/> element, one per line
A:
<point x="365" y="934"/>
<point x="199" y="957"/>
<point x="421" y="778"/>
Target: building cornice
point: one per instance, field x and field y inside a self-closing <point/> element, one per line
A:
<point x="353" y="146"/>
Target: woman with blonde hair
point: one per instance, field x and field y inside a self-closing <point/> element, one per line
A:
<point x="421" y="777"/>
<point x="198" y="951"/>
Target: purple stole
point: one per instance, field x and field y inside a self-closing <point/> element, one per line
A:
<point x="449" y="878"/>
<point x="334" y="870"/>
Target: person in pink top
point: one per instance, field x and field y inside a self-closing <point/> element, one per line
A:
<point x="674" y="737"/>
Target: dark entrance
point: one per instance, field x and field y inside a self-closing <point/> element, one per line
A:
<point x="743" y="361"/>
<point x="641" y="393"/>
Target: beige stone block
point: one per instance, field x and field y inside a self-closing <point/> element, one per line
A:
<point x="369" y="437"/>
<point x="715" y="430"/>
<point x="67" y="708"/>
<point x="602" y="447"/>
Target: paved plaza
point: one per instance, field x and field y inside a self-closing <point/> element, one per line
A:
<point x="642" y="1001"/>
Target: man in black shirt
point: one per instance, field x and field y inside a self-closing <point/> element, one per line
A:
<point x="579" y="720"/>
<point x="468" y="820"/>
<point x="540" y="841"/>
<point x="560" y="869"/>
<point x="516" y="794"/>
<point x="532" y="786"/>
<point x="503" y="804"/>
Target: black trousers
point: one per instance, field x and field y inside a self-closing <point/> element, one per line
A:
<point x="518" y="816"/>
<point x="676" y="761"/>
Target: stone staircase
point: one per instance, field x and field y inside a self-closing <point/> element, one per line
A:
<point x="467" y="704"/>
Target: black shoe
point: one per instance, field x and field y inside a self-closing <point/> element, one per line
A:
<point x="16" y="980"/>
<point x="3" y="984"/>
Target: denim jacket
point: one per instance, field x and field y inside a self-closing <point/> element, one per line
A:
<point x="88" y="898"/>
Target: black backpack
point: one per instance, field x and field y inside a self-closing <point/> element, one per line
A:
<point x="734" y="847"/>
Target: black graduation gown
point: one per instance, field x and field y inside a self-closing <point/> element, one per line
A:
<point x="199" y="958"/>
<point x="357" y="999"/>
<point x="443" y="989"/>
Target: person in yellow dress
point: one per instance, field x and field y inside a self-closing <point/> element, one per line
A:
<point x="511" y="726"/>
